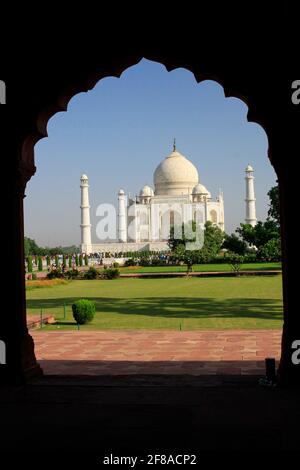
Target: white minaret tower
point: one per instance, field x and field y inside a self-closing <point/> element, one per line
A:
<point x="250" y="197"/>
<point x="122" y="225"/>
<point x="86" y="241"/>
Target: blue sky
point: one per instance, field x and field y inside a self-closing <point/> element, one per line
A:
<point x="120" y="131"/>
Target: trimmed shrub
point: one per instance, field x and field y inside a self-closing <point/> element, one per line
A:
<point x="54" y="274"/>
<point x="86" y="260"/>
<point x="83" y="311"/>
<point x="29" y="264"/>
<point x="48" y="261"/>
<point x="77" y="260"/>
<point x="80" y="260"/>
<point x="40" y="263"/>
<point x="111" y="273"/>
<point x="72" y="273"/>
<point x="130" y="262"/>
<point x="70" y="261"/>
<point x="33" y="277"/>
<point x="145" y="260"/>
<point x="92" y="273"/>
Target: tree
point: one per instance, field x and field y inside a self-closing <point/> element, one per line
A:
<point x="40" y="263"/>
<point x="29" y="264"/>
<point x="234" y="244"/>
<point x="236" y="262"/>
<point x="274" y="209"/>
<point x="80" y="260"/>
<point x="70" y="261"/>
<point x="177" y="242"/>
<point x="31" y="247"/>
<point x="213" y="240"/>
<point x="271" y="251"/>
<point x="260" y="234"/>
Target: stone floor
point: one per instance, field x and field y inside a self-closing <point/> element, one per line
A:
<point x="214" y="352"/>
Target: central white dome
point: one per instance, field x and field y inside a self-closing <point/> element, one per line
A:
<point x="175" y="175"/>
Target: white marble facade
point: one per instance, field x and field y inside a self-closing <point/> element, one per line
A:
<point x="143" y="222"/>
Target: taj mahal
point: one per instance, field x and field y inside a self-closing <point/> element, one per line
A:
<point x="178" y="197"/>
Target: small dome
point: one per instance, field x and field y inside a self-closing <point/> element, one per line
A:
<point x="175" y="175"/>
<point x="146" y="191"/>
<point x="201" y="189"/>
<point x="83" y="177"/>
<point x="249" y="168"/>
<point x="121" y="191"/>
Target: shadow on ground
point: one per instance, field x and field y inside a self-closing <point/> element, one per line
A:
<point x="179" y="307"/>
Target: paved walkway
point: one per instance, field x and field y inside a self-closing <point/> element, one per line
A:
<point x="156" y="352"/>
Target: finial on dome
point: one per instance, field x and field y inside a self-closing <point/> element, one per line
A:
<point x="174" y="145"/>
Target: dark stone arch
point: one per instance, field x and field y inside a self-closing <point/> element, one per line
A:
<point x="239" y="78"/>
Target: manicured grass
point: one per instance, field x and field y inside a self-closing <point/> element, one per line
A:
<point x="201" y="268"/>
<point x="190" y="303"/>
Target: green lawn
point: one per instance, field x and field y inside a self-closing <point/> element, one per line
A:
<point x="201" y="268"/>
<point x="189" y="303"/>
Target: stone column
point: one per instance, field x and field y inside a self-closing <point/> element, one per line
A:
<point x="19" y="347"/>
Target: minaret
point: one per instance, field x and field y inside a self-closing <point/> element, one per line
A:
<point x="222" y="218"/>
<point x="122" y="225"/>
<point x="250" y="197"/>
<point x="86" y="242"/>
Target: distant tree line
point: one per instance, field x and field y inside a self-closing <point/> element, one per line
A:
<point x="31" y="248"/>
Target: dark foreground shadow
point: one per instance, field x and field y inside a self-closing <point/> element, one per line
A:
<point x="164" y="368"/>
<point x="86" y="419"/>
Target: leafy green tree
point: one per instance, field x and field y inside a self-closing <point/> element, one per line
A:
<point x="70" y="261"/>
<point x="175" y="242"/>
<point x="56" y="261"/>
<point x="48" y="261"/>
<point x="274" y="208"/>
<point x="77" y="260"/>
<point x="236" y="261"/>
<point x="31" y="247"/>
<point x="86" y="260"/>
<point x="260" y="234"/>
<point x="80" y="260"/>
<point x="234" y="244"/>
<point x="213" y="240"/>
<point x="271" y="251"/>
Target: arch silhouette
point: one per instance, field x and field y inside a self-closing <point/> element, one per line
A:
<point x="53" y="95"/>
